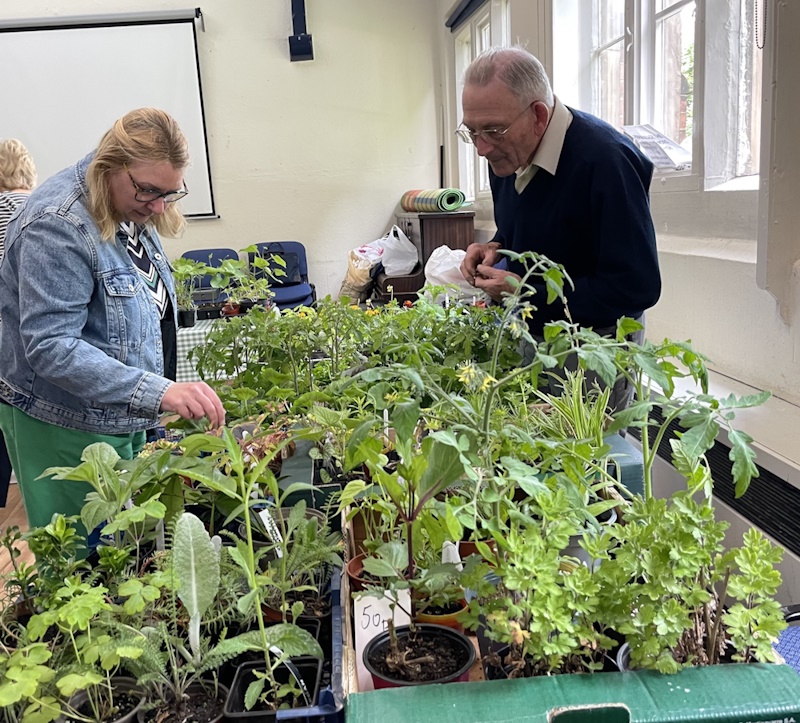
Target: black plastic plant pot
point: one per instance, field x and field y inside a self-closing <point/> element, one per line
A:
<point x="461" y="655"/>
<point x="203" y="694"/>
<point x="187" y="318"/>
<point x="124" y="688"/>
<point x="309" y="670"/>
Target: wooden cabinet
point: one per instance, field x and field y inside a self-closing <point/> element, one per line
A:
<point x="455" y="229"/>
<point x="426" y="231"/>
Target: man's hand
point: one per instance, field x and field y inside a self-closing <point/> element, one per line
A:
<point x="493" y="281"/>
<point x="485" y="254"/>
<point x="194" y="400"/>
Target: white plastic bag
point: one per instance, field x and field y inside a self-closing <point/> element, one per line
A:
<point x="399" y="254"/>
<point x="444" y="268"/>
<point x="369" y="253"/>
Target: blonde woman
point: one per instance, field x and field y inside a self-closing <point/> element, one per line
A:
<point x="17" y="180"/>
<point x="87" y="300"/>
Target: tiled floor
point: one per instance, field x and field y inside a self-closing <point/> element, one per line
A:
<point x="13" y="514"/>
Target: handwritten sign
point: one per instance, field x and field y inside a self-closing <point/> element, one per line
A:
<point x="370" y="616"/>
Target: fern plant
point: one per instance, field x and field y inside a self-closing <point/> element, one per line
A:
<point x="303" y="558"/>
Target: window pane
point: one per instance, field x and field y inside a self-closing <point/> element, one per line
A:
<point x="609" y="18"/>
<point x="665" y="4"/>
<point x="674" y="75"/>
<point x="749" y="116"/>
<point x="466" y="153"/>
<point x="609" y="85"/>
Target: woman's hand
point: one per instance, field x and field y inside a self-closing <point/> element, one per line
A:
<point x="194" y="400"/>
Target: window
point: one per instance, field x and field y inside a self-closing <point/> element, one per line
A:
<point x="484" y="29"/>
<point x="646" y="61"/>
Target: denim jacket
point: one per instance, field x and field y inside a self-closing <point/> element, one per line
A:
<point x="80" y="337"/>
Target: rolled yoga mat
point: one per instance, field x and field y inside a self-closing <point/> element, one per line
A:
<point x="433" y="199"/>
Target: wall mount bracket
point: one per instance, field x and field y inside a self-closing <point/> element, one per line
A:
<point x="300" y="44"/>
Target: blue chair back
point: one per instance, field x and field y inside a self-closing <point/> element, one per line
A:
<point x="213" y="257"/>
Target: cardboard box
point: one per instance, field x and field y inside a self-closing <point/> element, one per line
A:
<point x="734" y="693"/>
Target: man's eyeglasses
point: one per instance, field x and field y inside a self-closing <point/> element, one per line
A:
<point x="145" y="195"/>
<point x="490" y="135"/>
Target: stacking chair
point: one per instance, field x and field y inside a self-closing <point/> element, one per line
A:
<point x="292" y="288"/>
<point x="214" y="257"/>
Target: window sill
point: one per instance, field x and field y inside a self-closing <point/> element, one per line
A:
<point x="725" y="249"/>
<point x="742" y="183"/>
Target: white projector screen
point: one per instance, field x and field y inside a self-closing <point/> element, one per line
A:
<point x="70" y="83"/>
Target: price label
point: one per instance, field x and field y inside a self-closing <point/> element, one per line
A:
<point x="371" y="614"/>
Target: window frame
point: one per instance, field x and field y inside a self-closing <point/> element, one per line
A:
<point x="489" y="26"/>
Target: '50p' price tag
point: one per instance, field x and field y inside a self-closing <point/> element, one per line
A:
<point x="370" y="618"/>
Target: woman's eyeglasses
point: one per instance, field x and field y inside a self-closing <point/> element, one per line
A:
<point x="145" y="195"/>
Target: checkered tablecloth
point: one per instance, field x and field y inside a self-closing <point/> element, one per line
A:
<point x="188" y="339"/>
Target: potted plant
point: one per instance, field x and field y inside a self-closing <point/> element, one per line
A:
<point x="186" y="273"/>
<point x="242" y="281"/>
<point x="85" y="668"/>
<point x="538" y="613"/>
<point x="423" y="469"/>
<point x="681" y="597"/>
<point x="181" y="666"/>
<point x="227" y="470"/>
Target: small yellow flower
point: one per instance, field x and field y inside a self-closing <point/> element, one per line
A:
<point x="488" y="380"/>
<point x="467" y="374"/>
<point x="515" y="328"/>
<point x="527" y="312"/>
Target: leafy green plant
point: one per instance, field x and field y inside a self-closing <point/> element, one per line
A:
<point x="115" y="483"/>
<point x="227" y="470"/>
<point x="18" y="582"/>
<point x="301" y="561"/>
<point x="187" y="273"/>
<point x="176" y="658"/>
<point x="424" y="468"/>
<point x="680" y="597"/>
<point x="24" y="678"/>
<point x="90" y="656"/>
<point x="545" y="605"/>
<point x="240" y="279"/>
<point x="56" y="547"/>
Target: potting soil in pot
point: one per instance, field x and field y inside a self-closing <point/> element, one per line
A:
<point x="429" y="657"/>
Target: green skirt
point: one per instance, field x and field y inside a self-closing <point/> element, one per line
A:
<point x="33" y="446"/>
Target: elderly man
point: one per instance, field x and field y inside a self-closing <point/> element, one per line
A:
<point x="565" y="184"/>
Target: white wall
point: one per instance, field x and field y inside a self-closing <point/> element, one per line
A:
<point x="317" y="151"/>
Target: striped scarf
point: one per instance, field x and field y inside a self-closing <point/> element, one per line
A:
<point x="145" y="266"/>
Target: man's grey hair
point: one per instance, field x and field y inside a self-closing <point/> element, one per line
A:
<point x="517" y="68"/>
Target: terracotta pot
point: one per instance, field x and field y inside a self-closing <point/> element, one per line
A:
<point x="449" y="620"/>
<point x="468" y="547"/>
<point x="355" y="572"/>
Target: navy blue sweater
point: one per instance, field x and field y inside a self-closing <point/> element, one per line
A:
<point x="593" y="217"/>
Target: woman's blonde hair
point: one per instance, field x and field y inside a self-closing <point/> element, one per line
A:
<point x="16" y="167"/>
<point x="145" y="135"/>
